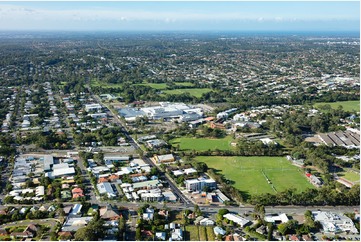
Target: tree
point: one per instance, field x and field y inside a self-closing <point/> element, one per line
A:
<point x="259" y="211"/>
<point x="122" y="226"/>
<point x="81" y="234"/>
<point x="138" y="234"/>
<point x="93" y="231"/>
<point x="197" y="210"/>
<point x="223" y="211"/>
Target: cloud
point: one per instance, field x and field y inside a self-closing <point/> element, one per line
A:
<point x="91" y="14"/>
<point x="86" y="16"/>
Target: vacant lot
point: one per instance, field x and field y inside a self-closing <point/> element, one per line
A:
<point x="196" y="92"/>
<point x="203" y="144"/>
<point x="250" y="173"/>
<point x="199" y="233"/>
<point x="192" y="233"/>
<point x="346" y="105"/>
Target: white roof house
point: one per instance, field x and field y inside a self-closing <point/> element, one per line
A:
<point x="206" y="222"/>
<point x="106" y="188"/>
<point x="190" y="171"/>
<point x="178" y="173"/>
<point x="218" y="230"/>
<point x="177" y="235"/>
<point x="276" y="218"/>
<point x="237" y="219"/>
<point x="39" y="191"/>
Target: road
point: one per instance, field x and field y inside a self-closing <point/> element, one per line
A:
<point x="214" y="209"/>
<point x="89" y="188"/>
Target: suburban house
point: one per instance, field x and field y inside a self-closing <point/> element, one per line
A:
<point x="29" y="232"/>
<point x="109" y="213"/>
<point x="107" y="189"/>
<point x="77" y="192"/>
<point x="237" y="219"/>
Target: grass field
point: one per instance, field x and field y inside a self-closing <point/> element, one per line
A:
<point x="192" y="233"/>
<point x="210" y="233"/>
<point x="158" y="86"/>
<point x="184" y="84"/>
<point x="196" y="92"/>
<point x="247" y="173"/>
<point x="202" y="144"/>
<point x="199" y="233"/>
<point x="350" y="176"/>
<point x="347" y="105"/>
<point x="202" y="233"/>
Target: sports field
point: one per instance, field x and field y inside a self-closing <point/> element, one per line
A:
<point x="347" y="105"/>
<point x="247" y="173"/>
<point x="196" y="92"/>
<point x="158" y="86"/>
<point x="184" y="84"/>
<point x="203" y="144"/>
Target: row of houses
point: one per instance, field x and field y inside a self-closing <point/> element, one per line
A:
<point x="38" y="165"/>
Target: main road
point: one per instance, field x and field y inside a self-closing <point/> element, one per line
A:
<point x="213" y="209"/>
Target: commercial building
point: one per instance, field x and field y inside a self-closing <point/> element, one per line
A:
<point x="200" y="183"/>
<point x="94" y="107"/>
<point x="164" y="158"/>
<point x="63" y="170"/>
<point x="116" y="158"/>
<point x="332" y="222"/>
<point x="146" y="184"/>
<point x="165" y="110"/>
<point x="346" y="138"/>
<point x="151" y="197"/>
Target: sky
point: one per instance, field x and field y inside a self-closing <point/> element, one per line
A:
<point x="181" y="16"/>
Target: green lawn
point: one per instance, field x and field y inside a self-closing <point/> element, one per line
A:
<point x="192" y="233"/>
<point x="202" y="233"/>
<point x="184" y="84"/>
<point x="202" y="144"/>
<point x="347" y="105"/>
<point x="5" y="237"/>
<point x="210" y="233"/>
<point x="350" y="176"/>
<point x="196" y="92"/>
<point x="90" y="211"/>
<point x="247" y="174"/>
<point x="158" y="86"/>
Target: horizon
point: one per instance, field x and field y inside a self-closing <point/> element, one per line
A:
<point x="181" y="16"/>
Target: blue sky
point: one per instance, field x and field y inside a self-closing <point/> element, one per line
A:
<point x="138" y="16"/>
